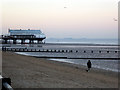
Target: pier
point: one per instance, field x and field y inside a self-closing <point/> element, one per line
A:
<point x="23" y="35"/>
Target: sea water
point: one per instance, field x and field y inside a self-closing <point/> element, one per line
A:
<point x="83" y="41"/>
<point x="111" y="65"/>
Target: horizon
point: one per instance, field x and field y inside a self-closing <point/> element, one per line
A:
<point x="63" y="18"/>
<point x="81" y="38"/>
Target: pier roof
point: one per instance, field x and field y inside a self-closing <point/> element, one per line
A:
<point x="36" y="33"/>
<point x="24" y="32"/>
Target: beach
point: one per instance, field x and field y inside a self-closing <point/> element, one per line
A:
<point x="32" y="72"/>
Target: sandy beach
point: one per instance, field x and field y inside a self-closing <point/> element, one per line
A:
<point x="32" y="72"/>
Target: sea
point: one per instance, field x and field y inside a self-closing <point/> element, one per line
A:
<point x="82" y="41"/>
<point x="111" y="65"/>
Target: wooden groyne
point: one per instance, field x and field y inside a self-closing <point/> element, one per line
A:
<point x="66" y="53"/>
<point x="56" y="50"/>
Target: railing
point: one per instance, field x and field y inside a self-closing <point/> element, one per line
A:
<point x="6" y="83"/>
<point x="21" y="36"/>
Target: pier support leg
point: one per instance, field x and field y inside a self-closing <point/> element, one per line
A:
<point x="5" y="41"/>
<point x="31" y="41"/>
<point x="37" y="41"/>
<point x="14" y="41"/>
<point x="22" y="41"/>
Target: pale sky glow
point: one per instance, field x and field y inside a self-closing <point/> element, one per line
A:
<point x="81" y="18"/>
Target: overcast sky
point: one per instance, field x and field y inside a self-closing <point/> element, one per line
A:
<point x="63" y="18"/>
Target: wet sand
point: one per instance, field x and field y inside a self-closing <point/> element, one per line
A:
<point x="31" y="72"/>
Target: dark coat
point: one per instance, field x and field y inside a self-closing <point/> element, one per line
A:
<point x="89" y="64"/>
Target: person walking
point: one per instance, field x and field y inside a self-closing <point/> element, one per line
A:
<point x="89" y="65"/>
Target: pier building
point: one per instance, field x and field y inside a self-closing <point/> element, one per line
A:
<point x="23" y="35"/>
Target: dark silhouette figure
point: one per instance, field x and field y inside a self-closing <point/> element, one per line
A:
<point x="89" y="64"/>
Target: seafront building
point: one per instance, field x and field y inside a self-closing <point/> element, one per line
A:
<point x="23" y="35"/>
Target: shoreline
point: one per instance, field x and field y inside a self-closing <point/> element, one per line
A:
<point x="48" y="58"/>
<point x="64" y="57"/>
<point x="42" y="73"/>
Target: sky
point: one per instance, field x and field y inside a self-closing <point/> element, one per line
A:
<point x="62" y="18"/>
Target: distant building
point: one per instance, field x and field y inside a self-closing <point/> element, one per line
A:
<point x="36" y="33"/>
<point x="23" y="35"/>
